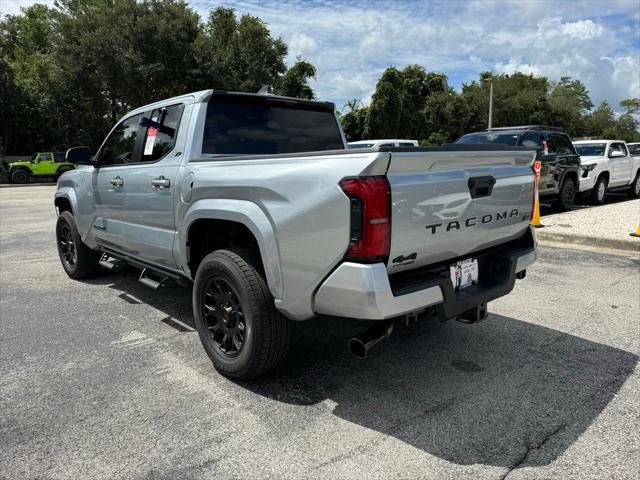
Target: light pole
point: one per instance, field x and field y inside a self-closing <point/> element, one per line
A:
<point x="490" y="101"/>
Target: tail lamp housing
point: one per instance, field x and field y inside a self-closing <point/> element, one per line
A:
<point x="370" y="234"/>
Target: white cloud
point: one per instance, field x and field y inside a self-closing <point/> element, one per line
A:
<point x="351" y="43"/>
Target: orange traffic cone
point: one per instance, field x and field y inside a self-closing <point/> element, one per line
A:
<point x="535" y="218"/>
<point x="637" y="232"/>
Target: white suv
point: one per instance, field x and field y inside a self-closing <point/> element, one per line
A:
<point x="606" y="165"/>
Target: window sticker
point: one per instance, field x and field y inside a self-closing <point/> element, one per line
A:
<point x="151" y="139"/>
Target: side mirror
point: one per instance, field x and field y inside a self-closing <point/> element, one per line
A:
<point x="78" y="155"/>
<point x="616" y="154"/>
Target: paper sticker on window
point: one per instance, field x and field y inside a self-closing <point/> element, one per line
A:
<point x="151" y="139"/>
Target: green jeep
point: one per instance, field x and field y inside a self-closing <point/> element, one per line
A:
<point x="42" y="164"/>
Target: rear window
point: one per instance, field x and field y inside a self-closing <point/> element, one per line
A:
<point x="238" y="126"/>
<point x="489" y="138"/>
<point x="591" y="149"/>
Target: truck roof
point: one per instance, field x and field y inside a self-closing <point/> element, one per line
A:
<point x="595" y="140"/>
<point x="205" y="95"/>
<point x="527" y="127"/>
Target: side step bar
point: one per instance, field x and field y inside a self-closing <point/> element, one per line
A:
<point x="111" y="263"/>
<point x="147" y="279"/>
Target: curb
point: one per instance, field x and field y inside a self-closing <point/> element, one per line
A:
<point x="613" y="243"/>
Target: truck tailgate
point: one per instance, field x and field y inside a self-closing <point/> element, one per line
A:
<point x="449" y="204"/>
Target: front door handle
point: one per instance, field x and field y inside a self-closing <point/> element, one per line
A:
<point x="117" y="182"/>
<point x="161" y="182"/>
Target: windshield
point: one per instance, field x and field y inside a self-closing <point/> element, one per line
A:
<point x="489" y="138"/>
<point x="33" y="157"/>
<point x="591" y="149"/>
<point x="360" y="145"/>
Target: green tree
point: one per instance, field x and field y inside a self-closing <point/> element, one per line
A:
<point x="386" y="109"/>
<point x="568" y="102"/>
<point x="353" y="120"/>
<point x="295" y="82"/>
<point x="631" y="104"/>
<point x="601" y="122"/>
<point x="518" y="99"/>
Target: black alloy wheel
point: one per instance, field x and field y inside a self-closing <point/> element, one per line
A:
<point x="224" y="316"/>
<point x="67" y="246"/>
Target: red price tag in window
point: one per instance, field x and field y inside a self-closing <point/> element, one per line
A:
<point x="151" y="141"/>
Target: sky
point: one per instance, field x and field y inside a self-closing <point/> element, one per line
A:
<point x="352" y="42"/>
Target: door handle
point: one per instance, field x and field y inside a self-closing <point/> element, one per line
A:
<point x="117" y="182"/>
<point x="161" y="182"/>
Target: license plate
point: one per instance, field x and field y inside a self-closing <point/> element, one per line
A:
<point x="464" y="273"/>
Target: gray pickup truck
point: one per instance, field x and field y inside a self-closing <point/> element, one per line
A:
<point x="255" y="200"/>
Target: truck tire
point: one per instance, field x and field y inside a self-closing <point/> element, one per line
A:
<point x="599" y="191"/>
<point x="634" y="189"/>
<point x="567" y="195"/>
<point x="20" y="175"/>
<point x="78" y="260"/>
<point x="239" y="326"/>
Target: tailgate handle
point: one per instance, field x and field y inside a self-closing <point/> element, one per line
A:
<point x="481" y="186"/>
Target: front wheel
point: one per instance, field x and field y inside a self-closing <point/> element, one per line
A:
<point x="78" y="260"/>
<point x="567" y="195"/>
<point x="239" y="326"/>
<point x="599" y="191"/>
<point x="20" y="176"/>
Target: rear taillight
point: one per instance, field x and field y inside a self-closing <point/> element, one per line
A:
<point x="370" y="237"/>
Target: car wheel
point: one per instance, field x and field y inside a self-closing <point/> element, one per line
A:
<point x="567" y="195"/>
<point x="240" y="328"/>
<point x="20" y="176"/>
<point x="634" y="191"/>
<point x="599" y="192"/>
<point x="78" y="260"/>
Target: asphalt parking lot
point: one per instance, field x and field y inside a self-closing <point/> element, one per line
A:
<point x="98" y="379"/>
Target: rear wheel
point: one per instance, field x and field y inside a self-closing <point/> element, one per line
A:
<point x="20" y="176"/>
<point x="599" y="191"/>
<point x="239" y="326"/>
<point x="78" y="260"/>
<point x="567" y="195"/>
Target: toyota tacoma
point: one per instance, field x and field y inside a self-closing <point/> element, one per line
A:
<point x="255" y="201"/>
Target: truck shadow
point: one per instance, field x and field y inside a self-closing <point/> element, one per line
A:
<point x="496" y="393"/>
<point x="491" y="393"/>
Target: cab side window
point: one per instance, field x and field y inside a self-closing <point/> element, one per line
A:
<point x="119" y="148"/>
<point x="60" y="157"/>
<point x="160" y="141"/>
<point x="618" y="147"/>
<point x="562" y="145"/>
<point x="532" y="140"/>
<point x="46" y="157"/>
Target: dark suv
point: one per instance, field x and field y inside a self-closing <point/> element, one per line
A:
<point x="560" y="162"/>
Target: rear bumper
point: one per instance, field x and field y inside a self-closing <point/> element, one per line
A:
<point x="367" y="292"/>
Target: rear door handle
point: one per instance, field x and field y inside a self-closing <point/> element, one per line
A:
<point x="117" y="182"/>
<point x="161" y="182"/>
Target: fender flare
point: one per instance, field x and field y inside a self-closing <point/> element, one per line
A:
<point x="20" y="167"/>
<point x="248" y="214"/>
<point x="68" y="194"/>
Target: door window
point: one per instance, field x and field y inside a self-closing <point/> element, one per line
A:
<point x="532" y="140"/>
<point x="562" y="145"/>
<point x="160" y="141"/>
<point x="60" y="157"/>
<point x="407" y="144"/>
<point x="618" y="147"/>
<point x="46" y="157"/>
<point x="119" y="148"/>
